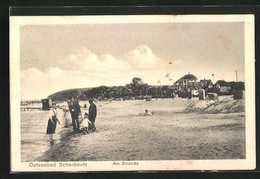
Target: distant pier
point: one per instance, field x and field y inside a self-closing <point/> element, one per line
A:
<point x="29" y="108"/>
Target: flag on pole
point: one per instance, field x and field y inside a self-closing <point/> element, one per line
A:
<point x="213" y="77"/>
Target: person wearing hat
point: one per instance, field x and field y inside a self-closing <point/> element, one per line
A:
<point x="52" y="122"/>
<point x="74" y="109"/>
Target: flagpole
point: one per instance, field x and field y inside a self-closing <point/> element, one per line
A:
<point x="170" y="63"/>
<point x="159" y="81"/>
<point x="160" y="88"/>
<point x="236" y="76"/>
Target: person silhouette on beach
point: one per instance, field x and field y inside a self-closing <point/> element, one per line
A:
<point x="74" y="109"/>
<point x="147" y="113"/>
<point x="52" y="122"/>
<point x="92" y="114"/>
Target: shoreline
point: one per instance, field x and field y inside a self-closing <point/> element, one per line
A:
<point x="64" y="135"/>
<point x="169" y="134"/>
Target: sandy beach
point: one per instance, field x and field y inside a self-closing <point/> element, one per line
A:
<point x="171" y="133"/>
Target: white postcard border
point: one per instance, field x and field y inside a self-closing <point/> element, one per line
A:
<point x="238" y="164"/>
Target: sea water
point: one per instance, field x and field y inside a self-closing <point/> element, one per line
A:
<point x="34" y="140"/>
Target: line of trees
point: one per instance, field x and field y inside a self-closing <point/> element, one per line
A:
<point x="137" y="88"/>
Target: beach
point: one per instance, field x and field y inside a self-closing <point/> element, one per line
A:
<point x="34" y="140"/>
<point x="171" y="133"/>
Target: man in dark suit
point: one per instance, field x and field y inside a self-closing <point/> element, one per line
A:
<point x="74" y="108"/>
<point x="92" y="114"/>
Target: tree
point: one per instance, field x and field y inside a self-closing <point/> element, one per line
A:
<point x="166" y="91"/>
<point x="152" y="91"/>
<point x="103" y="90"/>
<point x="136" y="81"/>
<point x="137" y="86"/>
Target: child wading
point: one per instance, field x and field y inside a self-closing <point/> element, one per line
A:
<point x="52" y="122"/>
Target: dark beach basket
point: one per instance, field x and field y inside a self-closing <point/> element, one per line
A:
<point x="212" y="96"/>
<point x="46" y="104"/>
<point x="239" y="94"/>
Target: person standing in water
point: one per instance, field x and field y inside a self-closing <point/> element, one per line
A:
<point x="52" y="122"/>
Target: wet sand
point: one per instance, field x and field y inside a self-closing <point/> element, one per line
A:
<point x="171" y="133"/>
<point x="34" y="140"/>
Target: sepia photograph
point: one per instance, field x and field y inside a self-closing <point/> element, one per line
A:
<point x="131" y="93"/>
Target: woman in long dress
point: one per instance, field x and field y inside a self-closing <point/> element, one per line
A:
<point x="52" y="122"/>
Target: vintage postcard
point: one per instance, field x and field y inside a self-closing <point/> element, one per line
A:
<point x="132" y="93"/>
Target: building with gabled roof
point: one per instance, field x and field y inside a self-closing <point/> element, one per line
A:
<point x="186" y="84"/>
<point x="223" y="87"/>
<point x="206" y="84"/>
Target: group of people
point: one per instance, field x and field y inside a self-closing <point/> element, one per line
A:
<point x="75" y="111"/>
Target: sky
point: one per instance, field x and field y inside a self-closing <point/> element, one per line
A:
<point x="59" y="57"/>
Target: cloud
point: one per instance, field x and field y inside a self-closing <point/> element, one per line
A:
<point x="142" y="58"/>
<point x="54" y="72"/>
<point x="88" y="61"/>
<point x="111" y="63"/>
<point x="36" y="84"/>
<point x="91" y="70"/>
<point x="32" y="74"/>
<point x="72" y="58"/>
